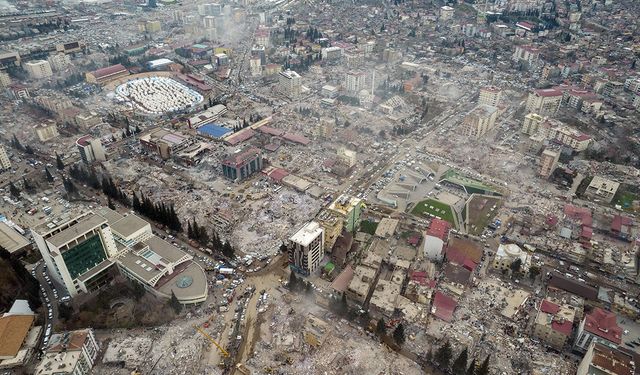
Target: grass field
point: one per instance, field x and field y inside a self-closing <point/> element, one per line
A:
<point x="367" y="226"/>
<point x="625" y="200"/>
<point x="435" y="208"/>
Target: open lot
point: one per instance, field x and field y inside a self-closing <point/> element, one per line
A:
<point x="481" y="209"/>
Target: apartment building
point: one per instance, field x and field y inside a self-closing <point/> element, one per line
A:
<point x="528" y="54"/>
<point x="5" y="80"/>
<point x="531" y="123"/>
<point x="554" y="323"/>
<point x="306" y="248"/>
<point x="354" y="81"/>
<point x="600" y="326"/>
<point x="350" y="209"/>
<point x="5" y="163"/>
<point x="59" y="61"/>
<point x="290" y="83"/>
<point x="90" y="149"/>
<point x="38" y="69"/>
<point x="47" y="131"/>
<point x="72" y="353"/>
<point x="490" y="95"/>
<point x="602" y="188"/>
<point x="446" y="13"/>
<point x="243" y="164"/>
<point x="605" y="360"/>
<point x="479" y="121"/>
<point x="544" y="102"/>
<point x="559" y="132"/>
<point x="548" y="162"/>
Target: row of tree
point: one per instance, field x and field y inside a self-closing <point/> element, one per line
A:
<point x="15" y="143"/>
<point x="112" y="191"/>
<point x="444" y="354"/>
<point x="158" y="212"/>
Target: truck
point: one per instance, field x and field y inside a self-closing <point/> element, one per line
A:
<point x="226" y="271"/>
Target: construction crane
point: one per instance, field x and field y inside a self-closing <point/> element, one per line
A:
<point x="203" y="333"/>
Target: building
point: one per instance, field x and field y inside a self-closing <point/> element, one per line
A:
<point x="166" y="143"/>
<point x="432" y="248"/>
<point x="209" y="115"/>
<point x="38" y="69"/>
<point x="329" y="91"/>
<point x="548" y="162"/>
<point x="242" y="164"/>
<point x="11" y="238"/>
<point x="446" y="13"/>
<point x="150" y="27"/>
<point x="87" y="120"/>
<point x="104" y="75"/>
<point x="59" y="61"/>
<point x="332" y="225"/>
<point x="531" y="123"/>
<point x="5" y="80"/>
<point x="558" y="132"/>
<point x="600" y="326"/>
<point x="77" y="251"/>
<point x="554" y="323"/>
<point x="5" y="163"/>
<point x="602" y="188"/>
<point x="18" y="335"/>
<point x="507" y="254"/>
<point x="527" y="54"/>
<point x="90" y="149"/>
<point x="47" y="131"/>
<point x="490" y="95"/>
<point x="331" y="53"/>
<point x="544" y="102"/>
<point x="259" y="52"/>
<point x="72" y="353"/>
<point x="289" y="83"/>
<point x="306" y="248"/>
<point x="479" y="121"/>
<point x="354" y="81"/>
<point x="603" y="360"/>
<point x="350" y="209"/>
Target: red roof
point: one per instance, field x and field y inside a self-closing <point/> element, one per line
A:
<point x="242" y="158"/>
<point x="240" y="136"/>
<point x="603" y="324"/>
<point x="619" y="221"/>
<point x="271" y="131"/>
<point x="109" y="71"/>
<point x="579" y="213"/>
<point x="456" y="256"/>
<point x="563" y="326"/>
<point x="549" y="307"/>
<point x="443" y="306"/>
<point x="548" y="92"/>
<point x="277" y="174"/>
<point x="587" y="232"/>
<point x="439" y="228"/>
<point x="296" y="138"/>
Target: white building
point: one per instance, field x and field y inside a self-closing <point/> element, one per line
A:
<point x="331" y="53"/>
<point x="290" y="83"/>
<point x="5" y="80"/>
<point x="531" y="123"/>
<point x="5" y="163"/>
<point x="306" y="248"/>
<point x="433" y="248"/>
<point x="544" y="102"/>
<point x="90" y="149"/>
<point x="446" y="13"/>
<point x="509" y="253"/>
<point x="479" y="121"/>
<point x="72" y="353"/>
<point x="38" y="69"/>
<point x="602" y="188"/>
<point x="355" y="81"/>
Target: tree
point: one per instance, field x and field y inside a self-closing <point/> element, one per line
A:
<point x="65" y="311"/>
<point x="175" y="304"/>
<point x="27" y="185"/>
<point x="343" y="307"/>
<point x="15" y="192"/>
<point x="48" y="175"/>
<point x="515" y="266"/>
<point x="443" y="355"/>
<point x="59" y="163"/>
<point x="16" y="143"/>
<point x="138" y="291"/>
<point x="534" y="271"/>
<point x="110" y="204"/>
<point x="459" y="366"/>
<point x="227" y="250"/>
<point x="308" y="289"/>
<point x="398" y="334"/>
<point x="381" y="328"/>
<point x="484" y="367"/>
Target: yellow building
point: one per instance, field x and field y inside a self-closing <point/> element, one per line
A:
<point x="554" y="323"/>
<point x="479" y="121"/>
<point x="531" y="123"/>
<point x="332" y="225"/>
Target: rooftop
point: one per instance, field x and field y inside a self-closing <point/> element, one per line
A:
<point x="13" y="332"/>
<point x="603" y="324"/>
<point x="83" y="226"/>
<point x="128" y="226"/>
<point x="309" y="232"/>
<point x="10" y="239"/>
<point x="109" y="71"/>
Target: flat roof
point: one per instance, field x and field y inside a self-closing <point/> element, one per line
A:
<point x="128" y="225"/>
<point x="109" y="214"/>
<point x="165" y="249"/>
<point x="96" y="270"/>
<point x="13" y="331"/>
<point x="213" y="130"/>
<point x="309" y="232"/>
<point x="10" y="239"/>
<point x="386" y="227"/>
<point x="83" y="226"/>
<point x="187" y="285"/>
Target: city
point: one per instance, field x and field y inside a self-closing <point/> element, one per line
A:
<point x="319" y="187"/>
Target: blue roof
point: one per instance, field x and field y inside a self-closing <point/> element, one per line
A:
<point x="213" y="130"/>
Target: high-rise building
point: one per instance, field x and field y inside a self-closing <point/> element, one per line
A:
<point x="76" y="251"/>
<point x="243" y="164"/>
<point x="47" y="131"/>
<point x="531" y="123"/>
<point x="528" y="54"/>
<point x="90" y="149"/>
<point x="72" y="353"/>
<point x="5" y="80"/>
<point x="259" y="51"/>
<point x="548" y="162"/>
<point x="350" y="209"/>
<point x="544" y="102"/>
<point x="289" y="83"/>
<point x="38" y="69"/>
<point x="5" y="163"/>
<point x="479" y="121"/>
<point x="446" y="13"/>
<point x="355" y="81"/>
<point x="490" y="95"/>
<point x="306" y="248"/>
